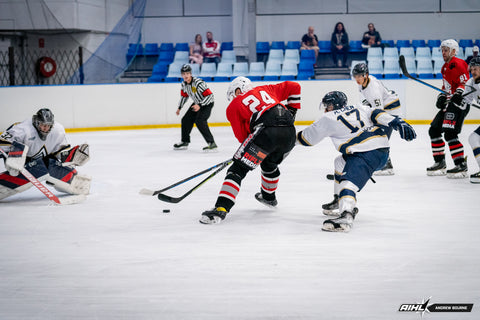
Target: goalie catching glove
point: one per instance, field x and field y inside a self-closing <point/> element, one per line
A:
<point x="16" y="158"/>
<point x="404" y="129"/>
<point x="77" y="156"/>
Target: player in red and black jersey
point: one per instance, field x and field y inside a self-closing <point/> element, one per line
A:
<point x="449" y="119"/>
<point x="265" y="128"/>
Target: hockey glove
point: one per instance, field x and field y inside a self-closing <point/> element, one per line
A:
<point x="16" y="158"/>
<point x="77" y="156"/>
<point x="457" y="99"/>
<point x="441" y="101"/>
<point x="404" y="129"/>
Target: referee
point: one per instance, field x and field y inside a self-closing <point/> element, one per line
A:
<point x="199" y="111"/>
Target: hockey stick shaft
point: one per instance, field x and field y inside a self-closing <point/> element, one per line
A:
<point x="169" y="199"/>
<point x="37" y="183"/>
<point x="154" y="193"/>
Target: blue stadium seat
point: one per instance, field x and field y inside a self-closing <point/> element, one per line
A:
<point x="423" y="53"/>
<point x="228" y="56"/>
<point x="418" y="43"/>
<point x="263" y="47"/>
<point x="166" y="57"/>
<point x="468" y="52"/>
<point x="240" y="69"/>
<point x="403" y="43"/>
<point x="275" y="55"/>
<point x="159" y="73"/>
<point x="477" y="43"/>
<point x="465" y="43"/>
<point x="388" y="43"/>
<point x="460" y="53"/>
<point x="226" y="46"/>
<point x="437" y="68"/>
<point x="324" y="46"/>
<point x="294" y="45"/>
<point x="292" y="55"/>
<point x="407" y="52"/>
<point x="208" y="70"/>
<point x="375" y="67"/>
<point x="305" y="70"/>
<point x="433" y="43"/>
<point x="195" y="69"/>
<point x="173" y="74"/>
<point x="391" y="69"/>
<point x="151" y="49"/>
<point x="425" y="69"/>
<point x="278" y="45"/>
<point x="356" y="46"/>
<point x="289" y="71"/>
<point x="437" y="53"/>
<point x="257" y="70"/>
<point x="308" y="55"/>
<point x="390" y="53"/>
<point x="273" y="71"/>
<point x="224" y="72"/>
<point x="167" y="46"/>
<point x="181" y="57"/>
<point x="134" y="49"/>
<point x="182" y="46"/>
<point x="374" y="53"/>
<point x="411" y="67"/>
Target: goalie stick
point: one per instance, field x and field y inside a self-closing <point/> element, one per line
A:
<point x="221" y="166"/>
<point x="403" y="67"/>
<point x="149" y="192"/>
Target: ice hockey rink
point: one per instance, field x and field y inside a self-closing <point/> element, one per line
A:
<point x="118" y="256"/>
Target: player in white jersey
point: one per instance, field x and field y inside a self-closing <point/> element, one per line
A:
<point x="357" y="132"/>
<point x="374" y="94"/>
<point x="474" y="84"/>
<point x="40" y="146"/>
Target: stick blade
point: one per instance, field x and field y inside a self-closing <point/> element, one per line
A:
<point x="164" y="197"/>
<point x="147" y="192"/>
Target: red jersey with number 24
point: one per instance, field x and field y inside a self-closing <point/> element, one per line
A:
<point x="455" y="75"/>
<point x="257" y="101"/>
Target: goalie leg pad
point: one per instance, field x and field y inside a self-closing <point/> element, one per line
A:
<point x="66" y="179"/>
<point x="10" y="185"/>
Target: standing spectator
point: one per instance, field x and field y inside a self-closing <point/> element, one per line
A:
<point x="339" y="45"/>
<point x="474" y="54"/>
<point x="449" y="119"/>
<point x="199" y="111"/>
<point x="211" y="49"/>
<point x="196" y="50"/>
<point x="372" y="37"/>
<point x="310" y="41"/>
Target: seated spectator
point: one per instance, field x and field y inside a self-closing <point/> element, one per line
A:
<point x="310" y="41"/>
<point x="211" y="49"/>
<point x="339" y="45"/>
<point x="474" y="54"/>
<point x="372" y="37"/>
<point x="196" y="50"/>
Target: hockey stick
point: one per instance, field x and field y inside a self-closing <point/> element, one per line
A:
<point x="149" y="192"/>
<point x="169" y="199"/>
<point x="403" y="67"/>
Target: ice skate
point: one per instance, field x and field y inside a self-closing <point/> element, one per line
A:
<point x="460" y="171"/>
<point x="213" y="216"/>
<point x="438" y="169"/>
<point x="269" y="203"/>
<point x="331" y="208"/>
<point x="180" y="146"/>
<point x="344" y="223"/>
<point x="475" y="178"/>
<point x="212" y="147"/>
<point x="387" y="170"/>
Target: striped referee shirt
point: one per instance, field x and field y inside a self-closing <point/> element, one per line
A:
<point x="198" y="91"/>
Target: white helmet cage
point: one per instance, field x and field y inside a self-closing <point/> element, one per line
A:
<point x="450" y="43"/>
<point x="242" y="83"/>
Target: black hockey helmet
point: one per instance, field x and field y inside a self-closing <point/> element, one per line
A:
<point x="360" y="69"/>
<point x="475" y="62"/>
<point x="43" y="116"/>
<point x="337" y="99"/>
<point x="186" y="68"/>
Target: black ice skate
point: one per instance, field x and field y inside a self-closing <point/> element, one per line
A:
<point x="213" y="216"/>
<point x="341" y="224"/>
<point x="212" y="147"/>
<point x="387" y="170"/>
<point x="269" y="203"/>
<point x="460" y="171"/>
<point x="180" y="146"/>
<point x="331" y="209"/>
<point x="438" y="169"/>
<point x="475" y="178"/>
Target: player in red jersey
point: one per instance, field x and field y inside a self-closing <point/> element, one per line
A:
<point x="449" y="119"/>
<point x="265" y="129"/>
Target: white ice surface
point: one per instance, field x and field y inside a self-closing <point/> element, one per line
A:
<point x="118" y="256"/>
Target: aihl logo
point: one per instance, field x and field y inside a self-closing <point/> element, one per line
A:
<point x="414" y="307"/>
<point x="436" y="307"/>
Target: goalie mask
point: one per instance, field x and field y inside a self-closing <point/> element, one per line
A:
<point x="242" y="83"/>
<point x="43" y="122"/>
<point x="334" y="100"/>
<point x="450" y="43"/>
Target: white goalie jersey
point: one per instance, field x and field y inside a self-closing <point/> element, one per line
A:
<point x="376" y="95"/>
<point x="352" y="129"/>
<point x="25" y="133"/>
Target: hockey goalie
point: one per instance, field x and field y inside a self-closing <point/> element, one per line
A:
<point x="39" y="145"/>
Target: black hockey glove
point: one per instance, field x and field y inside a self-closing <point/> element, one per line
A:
<point x="457" y="98"/>
<point x="441" y="101"/>
<point x="404" y="129"/>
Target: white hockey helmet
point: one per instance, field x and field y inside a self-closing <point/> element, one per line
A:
<point x="242" y="83"/>
<point x="450" y="43"/>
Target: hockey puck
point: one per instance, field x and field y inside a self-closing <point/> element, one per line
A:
<point x="166" y="210"/>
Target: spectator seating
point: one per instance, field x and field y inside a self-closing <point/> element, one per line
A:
<point x="391" y="69"/>
<point x="173" y="74"/>
<point x="374" y="53"/>
<point x="208" y="70"/>
<point x="151" y="50"/>
<point x="460" y="54"/>
<point x="390" y="53"/>
<point x="275" y="55"/>
<point x="195" y="69"/>
<point x="159" y="73"/>
<point x="224" y="72"/>
<point x="468" y="52"/>
<point x="291" y="55"/>
<point x="437" y="53"/>
<point x="308" y="56"/>
<point x="437" y="68"/>
<point x="305" y="69"/>
<point x="423" y="53"/>
<point x="289" y="71"/>
<point x="273" y="70"/>
<point x="182" y="46"/>
<point x="294" y="45"/>
<point x="324" y="46"/>
<point x="134" y="49"/>
<point x="228" y="56"/>
<point x="226" y="46"/>
<point x="278" y="45"/>
<point x="375" y="67"/>
<point x="425" y="69"/>
<point x="356" y="46"/>
<point x="257" y="70"/>
<point x="432" y="43"/>
<point x="411" y="67"/>
<point x="263" y="49"/>
<point x="181" y="57"/>
<point x="465" y="43"/>
<point x="418" y="43"/>
<point x="403" y="43"/>
<point x="407" y="52"/>
<point x="477" y="43"/>
<point x="240" y="69"/>
<point x="166" y="46"/>
<point x="388" y="43"/>
<point x="165" y="57"/>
